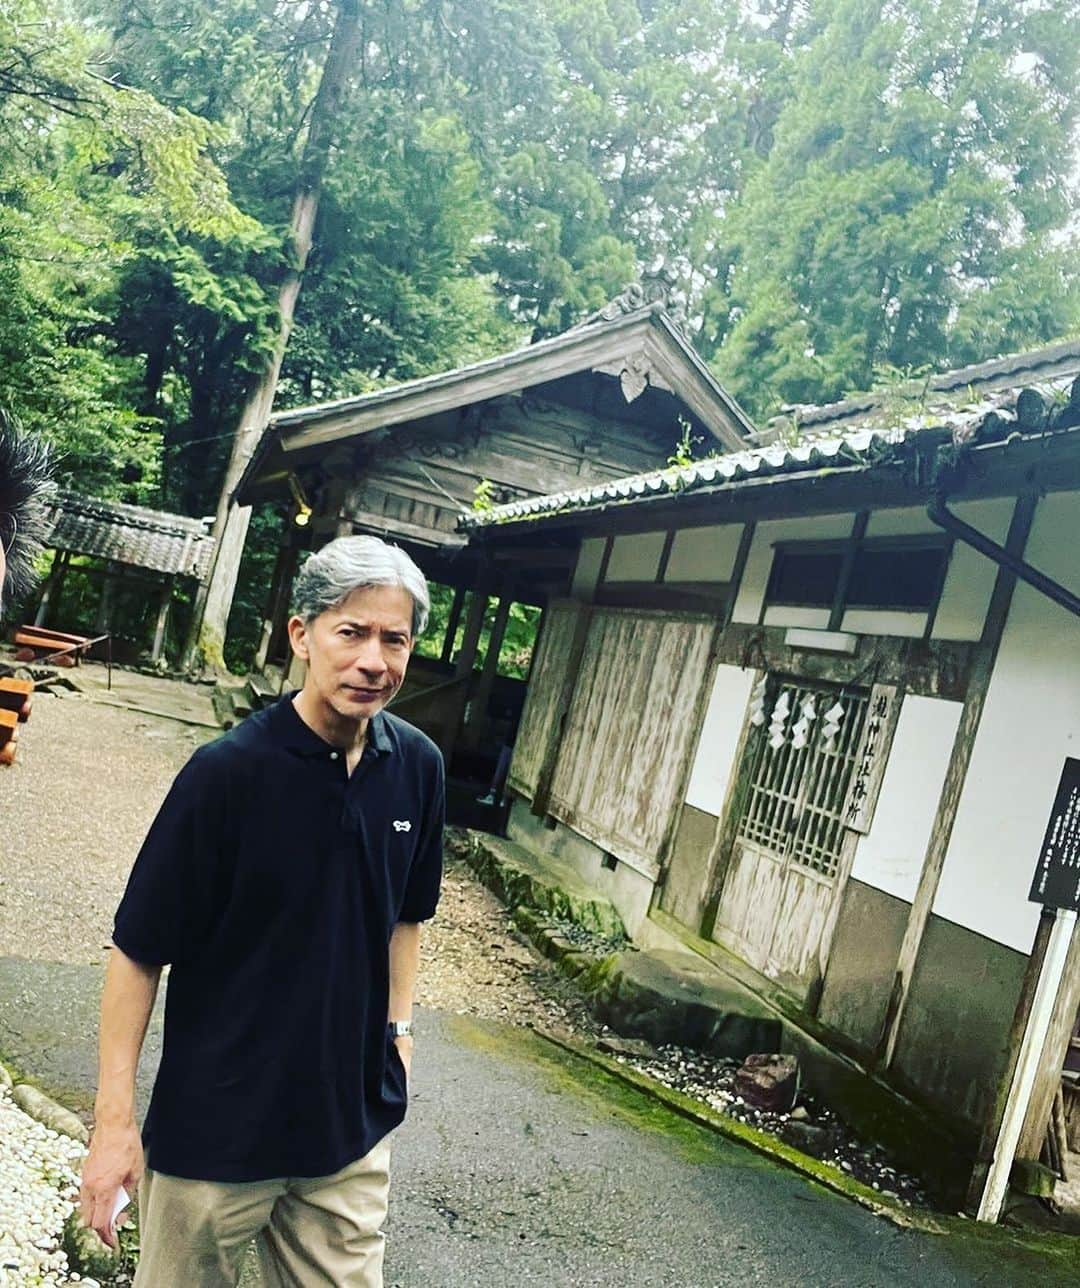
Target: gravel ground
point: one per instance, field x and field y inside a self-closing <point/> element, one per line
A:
<point x="39" y="1175"/>
<point x="78" y="801"/>
<point x="711" y="1079"/>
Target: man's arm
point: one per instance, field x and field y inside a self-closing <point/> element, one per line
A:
<point x="404" y="966"/>
<point x="116" y="1155"/>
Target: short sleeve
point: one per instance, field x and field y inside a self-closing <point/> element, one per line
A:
<point x="425" y="872"/>
<point x="169" y="904"/>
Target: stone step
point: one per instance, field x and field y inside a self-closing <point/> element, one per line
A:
<point x="223" y="707"/>
<point x="262" y="690"/>
<point x="660" y="996"/>
<point x="674" y="997"/>
<point x="518" y="876"/>
<point x="241" y="703"/>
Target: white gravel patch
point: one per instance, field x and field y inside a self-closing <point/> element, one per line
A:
<point x="39" y="1188"/>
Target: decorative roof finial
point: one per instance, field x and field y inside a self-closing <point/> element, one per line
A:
<point x="657" y="286"/>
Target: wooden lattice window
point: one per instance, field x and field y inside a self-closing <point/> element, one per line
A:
<point x="795" y="804"/>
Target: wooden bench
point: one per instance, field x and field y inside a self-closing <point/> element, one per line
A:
<point x="15" y="704"/>
<point x="9" y="736"/>
<point x="15" y="695"/>
<point x="62" y="648"/>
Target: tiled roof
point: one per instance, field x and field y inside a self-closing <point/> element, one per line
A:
<point x="129" y="534"/>
<point x="733" y="467"/>
<point x="877" y="438"/>
<point x="980" y="379"/>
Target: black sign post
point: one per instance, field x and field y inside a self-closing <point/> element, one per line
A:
<point x="1057" y="875"/>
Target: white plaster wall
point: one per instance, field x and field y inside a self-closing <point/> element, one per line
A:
<point x="890" y="857"/>
<point x="635" y="557"/>
<point x="814" y="619"/>
<point x="704" y="554"/>
<point x="908" y="521"/>
<point x="751" y="596"/>
<point x="715" y="755"/>
<point x="969" y="581"/>
<point x="587" y="569"/>
<point x="1030" y="723"/>
<point x="879" y="621"/>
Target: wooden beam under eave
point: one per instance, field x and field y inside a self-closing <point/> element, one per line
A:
<point x="385" y="526"/>
<point x="550" y="558"/>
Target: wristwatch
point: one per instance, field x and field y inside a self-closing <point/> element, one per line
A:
<point x="401" y="1028"/>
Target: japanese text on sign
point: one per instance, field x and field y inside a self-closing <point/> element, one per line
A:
<point x="1057" y="874"/>
<point x="870" y="763"/>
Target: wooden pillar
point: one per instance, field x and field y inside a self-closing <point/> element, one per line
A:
<point x="277" y="607"/>
<point x="474" y="625"/>
<point x="53" y="586"/>
<point x="104" y="612"/>
<point x="482" y="696"/>
<point x="452" y="624"/>
<point x="955" y="775"/>
<point x="162" y="620"/>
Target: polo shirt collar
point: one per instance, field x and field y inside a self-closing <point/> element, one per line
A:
<point x="292" y="733"/>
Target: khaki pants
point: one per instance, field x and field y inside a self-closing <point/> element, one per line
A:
<point x="322" y="1231"/>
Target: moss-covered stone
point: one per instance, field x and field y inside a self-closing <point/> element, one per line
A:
<point x="40" y="1106"/>
<point x="668" y="997"/>
<point x="86" y="1254"/>
<point x="520" y="878"/>
<point x="1029" y="1177"/>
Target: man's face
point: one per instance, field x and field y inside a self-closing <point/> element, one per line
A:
<point x="357" y="653"/>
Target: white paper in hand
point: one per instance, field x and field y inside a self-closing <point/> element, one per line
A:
<point x="119" y="1203"/>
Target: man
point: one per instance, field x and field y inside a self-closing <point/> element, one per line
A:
<point x="285" y="879"/>
<point x="25" y="476"/>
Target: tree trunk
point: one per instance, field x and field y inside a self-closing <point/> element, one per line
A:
<point x="206" y="638"/>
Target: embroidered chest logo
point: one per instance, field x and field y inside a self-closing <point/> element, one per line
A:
<point x="402" y="825"/>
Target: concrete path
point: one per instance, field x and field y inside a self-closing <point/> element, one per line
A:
<point x="520" y="1165"/>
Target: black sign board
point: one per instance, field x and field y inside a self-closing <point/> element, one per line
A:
<point x="1057" y="876"/>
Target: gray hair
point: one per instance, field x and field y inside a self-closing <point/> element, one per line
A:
<point x="353" y="563"/>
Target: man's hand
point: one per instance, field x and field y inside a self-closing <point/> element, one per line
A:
<point x="115" y="1160"/>
<point x="405" y="1050"/>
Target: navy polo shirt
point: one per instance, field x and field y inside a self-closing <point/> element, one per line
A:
<point x="271" y="880"/>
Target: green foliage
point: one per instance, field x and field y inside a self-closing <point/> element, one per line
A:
<point x="912" y="208"/>
<point x="442" y="600"/>
<point x="252" y="588"/>
<point x="515" y="656"/>
<point x="94" y="177"/>
<point x="683" y="455"/>
<point x="519" y="637"/>
<point x="483" y="499"/>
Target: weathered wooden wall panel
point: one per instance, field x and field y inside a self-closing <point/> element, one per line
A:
<point x="542" y="699"/>
<point x="522" y="447"/>
<point x="625" y="748"/>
